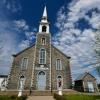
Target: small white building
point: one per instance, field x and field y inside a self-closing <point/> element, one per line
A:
<point x="3" y="82"/>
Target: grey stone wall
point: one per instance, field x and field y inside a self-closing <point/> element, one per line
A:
<point x="16" y="72"/>
<point x="65" y="72"/>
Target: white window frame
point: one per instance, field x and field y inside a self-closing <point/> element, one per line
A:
<point x="42" y="58"/>
<point x="22" y="61"/>
<point x="58" y="67"/>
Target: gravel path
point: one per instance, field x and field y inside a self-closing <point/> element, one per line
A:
<point x="40" y="98"/>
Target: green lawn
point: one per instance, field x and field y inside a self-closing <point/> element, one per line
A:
<point x="76" y="97"/>
<point x="5" y="97"/>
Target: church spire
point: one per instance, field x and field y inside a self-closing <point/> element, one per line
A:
<point x="45" y="13"/>
<point x="44" y="24"/>
<point x="44" y="16"/>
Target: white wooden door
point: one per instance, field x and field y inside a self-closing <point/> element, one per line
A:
<point x="90" y="87"/>
<point x="41" y="81"/>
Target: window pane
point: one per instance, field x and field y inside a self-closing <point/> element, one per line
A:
<point x="24" y="63"/>
<point x="42" y="56"/>
<point x="58" y="64"/>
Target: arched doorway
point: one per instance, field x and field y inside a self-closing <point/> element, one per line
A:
<point x="59" y="82"/>
<point x="41" y="80"/>
<point x="21" y="82"/>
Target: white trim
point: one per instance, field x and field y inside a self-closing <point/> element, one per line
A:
<point x="41" y="68"/>
<point x="50" y="65"/>
<point x="22" y="60"/>
<point x="33" y="63"/>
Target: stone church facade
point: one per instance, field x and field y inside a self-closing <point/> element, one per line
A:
<point x="41" y="66"/>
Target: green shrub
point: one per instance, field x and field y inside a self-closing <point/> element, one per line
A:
<point x="57" y="97"/>
<point x="13" y="97"/>
<point x="24" y="97"/>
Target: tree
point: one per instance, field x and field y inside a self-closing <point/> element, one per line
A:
<point x="97" y="50"/>
<point x="97" y="44"/>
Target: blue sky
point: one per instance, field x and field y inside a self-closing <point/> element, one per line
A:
<point x="73" y="24"/>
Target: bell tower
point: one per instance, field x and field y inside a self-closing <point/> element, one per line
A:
<point x="44" y="24"/>
<point x="42" y="58"/>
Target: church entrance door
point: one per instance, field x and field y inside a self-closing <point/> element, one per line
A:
<point x="41" y="81"/>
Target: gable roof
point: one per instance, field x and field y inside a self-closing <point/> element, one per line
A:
<point x="81" y="76"/>
<point x="60" y="51"/>
<point x="14" y="55"/>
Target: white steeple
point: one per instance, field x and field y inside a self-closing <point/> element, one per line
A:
<point x="44" y="17"/>
<point x="45" y="12"/>
<point x="44" y="24"/>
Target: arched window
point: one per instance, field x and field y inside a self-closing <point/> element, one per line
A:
<point x="42" y="56"/>
<point x="44" y="28"/>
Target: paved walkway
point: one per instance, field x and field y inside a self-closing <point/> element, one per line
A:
<point x="40" y="98"/>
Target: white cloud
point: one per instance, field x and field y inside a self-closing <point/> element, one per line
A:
<point x="21" y="24"/>
<point x="95" y="20"/>
<point x="9" y="39"/>
<point x="24" y="44"/>
<point x="23" y="28"/>
<point x="76" y="42"/>
<point x="12" y="5"/>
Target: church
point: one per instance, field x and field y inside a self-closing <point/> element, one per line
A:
<point x="41" y="66"/>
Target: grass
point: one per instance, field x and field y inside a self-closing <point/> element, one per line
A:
<point x="13" y="97"/>
<point x="76" y="97"/>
